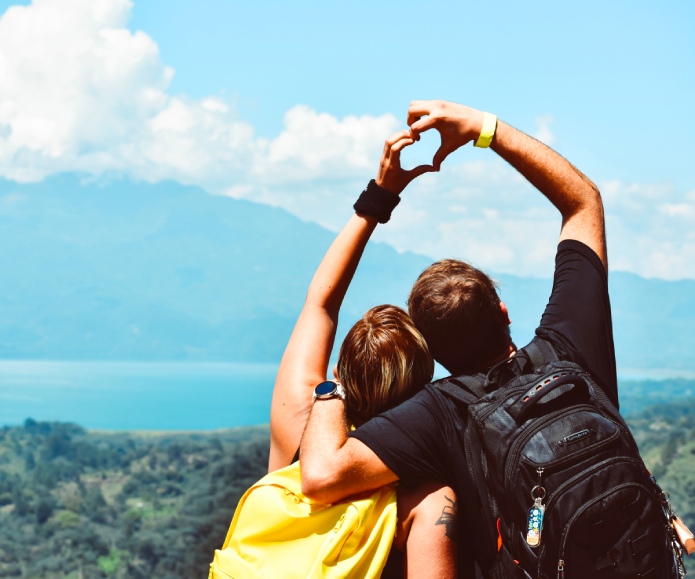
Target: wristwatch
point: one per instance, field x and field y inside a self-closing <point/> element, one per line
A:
<point x="329" y="389"/>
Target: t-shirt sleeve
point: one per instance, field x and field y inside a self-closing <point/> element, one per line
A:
<point x="410" y="439"/>
<point x="577" y="319"/>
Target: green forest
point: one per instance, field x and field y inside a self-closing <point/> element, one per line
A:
<point x="80" y="504"/>
<point x="86" y="504"/>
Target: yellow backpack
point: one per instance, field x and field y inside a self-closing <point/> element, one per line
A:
<point x="278" y="533"/>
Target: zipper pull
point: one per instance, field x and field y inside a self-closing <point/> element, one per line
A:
<point x="560" y="569"/>
<point x="534" y="519"/>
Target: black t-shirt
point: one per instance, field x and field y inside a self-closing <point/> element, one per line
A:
<point x="419" y="439"/>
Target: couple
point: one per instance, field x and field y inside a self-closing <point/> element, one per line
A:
<point x="406" y="430"/>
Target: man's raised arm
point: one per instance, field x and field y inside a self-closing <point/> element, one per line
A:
<point x="574" y="195"/>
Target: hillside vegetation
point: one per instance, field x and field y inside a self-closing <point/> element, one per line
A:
<point x="666" y="437"/>
<point x="82" y="504"/>
<point x="89" y="505"/>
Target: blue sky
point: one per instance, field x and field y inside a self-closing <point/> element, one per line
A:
<point x="622" y="69"/>
<point x="288" y="104"/>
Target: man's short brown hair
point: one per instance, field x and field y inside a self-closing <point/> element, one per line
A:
<point x="457" y="309"/>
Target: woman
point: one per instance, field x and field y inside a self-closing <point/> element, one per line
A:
<point x="382" y="361"/>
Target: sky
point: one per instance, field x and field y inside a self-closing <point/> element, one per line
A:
<point x="288" y="104"/>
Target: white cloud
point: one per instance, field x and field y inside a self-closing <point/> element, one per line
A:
<point x="74" y="84"/>
<point x="79" y="91"/>
<point x="650" y="229"/>
<point x="319" y="146"/>
<point x="543" y="132"/>
<point x="195" y="142"/>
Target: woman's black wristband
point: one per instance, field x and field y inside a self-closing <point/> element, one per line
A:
<point x="376" y="202"/>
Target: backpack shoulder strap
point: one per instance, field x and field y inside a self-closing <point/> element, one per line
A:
<point x="470" y="388"/>
<point x="539" y="353"/>
<point x="467" y="389"/>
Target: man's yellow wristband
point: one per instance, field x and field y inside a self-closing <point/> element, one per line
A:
<point x="488" y="130"/>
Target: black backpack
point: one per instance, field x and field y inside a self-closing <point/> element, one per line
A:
<point x="557" y="488"/>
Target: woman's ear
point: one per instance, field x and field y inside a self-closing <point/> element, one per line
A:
<point x="335" y="371"/>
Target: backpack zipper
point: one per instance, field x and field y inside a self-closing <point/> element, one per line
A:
<point x="530" y="433"/>
<point x="554" y="496"/>
<point x="561" y="565"/>
<point x="585" y="473"/>
<point x="559" y="463"/>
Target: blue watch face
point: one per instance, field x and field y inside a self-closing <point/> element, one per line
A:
<point x="327" y="387"/>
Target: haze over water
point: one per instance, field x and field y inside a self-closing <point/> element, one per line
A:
<point x="137" y="395"/>
<point x="157" y="395"/>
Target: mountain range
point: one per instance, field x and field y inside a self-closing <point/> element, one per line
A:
<point x="122" y="270"/>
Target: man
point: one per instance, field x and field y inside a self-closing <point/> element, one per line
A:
<point x="465" y="324"/>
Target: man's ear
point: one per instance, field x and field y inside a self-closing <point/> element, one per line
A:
<point x="505" y="313"/>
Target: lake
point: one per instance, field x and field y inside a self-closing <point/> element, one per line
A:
<point x="175" y="395"/>
<point x="137" y="395"/>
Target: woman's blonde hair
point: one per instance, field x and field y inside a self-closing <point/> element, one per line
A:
<point x="383" y="361"/>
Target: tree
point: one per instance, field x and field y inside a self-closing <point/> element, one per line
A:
<point x="44" y="510"/>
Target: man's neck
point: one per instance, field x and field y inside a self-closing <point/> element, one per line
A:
<point x="505" y="355"/>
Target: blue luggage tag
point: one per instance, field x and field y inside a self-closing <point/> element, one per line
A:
<point x="535" y="521"/>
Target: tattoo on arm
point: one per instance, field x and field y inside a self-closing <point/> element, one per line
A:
<point x="448" y="519"/>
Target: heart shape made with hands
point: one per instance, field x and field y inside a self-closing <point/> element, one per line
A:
<point x="421" y="152"/>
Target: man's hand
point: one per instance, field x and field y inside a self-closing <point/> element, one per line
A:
<point x="456" y="124"/>
<point x="392" y="176"/>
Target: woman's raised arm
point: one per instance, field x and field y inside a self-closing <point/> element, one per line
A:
<point x="305" y="361"/>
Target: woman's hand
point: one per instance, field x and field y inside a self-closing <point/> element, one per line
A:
<point x="392" y="176"/>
